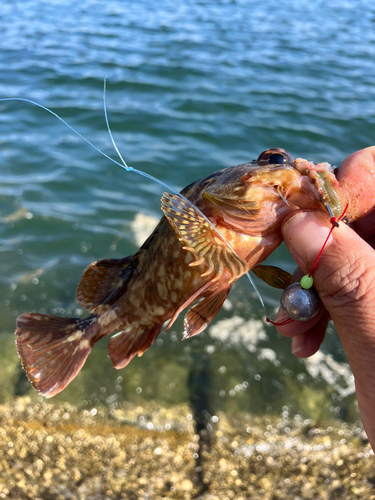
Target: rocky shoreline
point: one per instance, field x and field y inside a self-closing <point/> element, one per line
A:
<point x="52" y="451"/>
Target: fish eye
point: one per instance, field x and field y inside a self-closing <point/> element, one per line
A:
<point x="275" y="156"/>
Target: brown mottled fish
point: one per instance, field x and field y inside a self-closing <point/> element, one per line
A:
<point x="188" y="260"/>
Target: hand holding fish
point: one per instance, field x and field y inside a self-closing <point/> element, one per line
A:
<point x="344" y="279"/>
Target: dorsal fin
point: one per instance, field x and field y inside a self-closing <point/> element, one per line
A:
<point x="201" y="239"/>
<point x="104" y="281"/>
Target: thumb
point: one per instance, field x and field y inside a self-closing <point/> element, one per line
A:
<point x="345" y="281"/>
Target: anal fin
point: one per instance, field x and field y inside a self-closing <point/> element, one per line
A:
<point x="123" y="346"/>
<point x="193" y="298"/>
<point x="199" y="316"/>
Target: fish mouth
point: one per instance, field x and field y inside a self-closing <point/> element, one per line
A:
<point x="322" y="178"/>
<point x="258" y="185"/>
<point x="273" y="183"/>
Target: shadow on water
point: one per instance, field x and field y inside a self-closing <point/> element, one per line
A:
<point x="22" y="384"/>
<point x="199" y="385"/>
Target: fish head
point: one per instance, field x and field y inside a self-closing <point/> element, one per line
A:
<point x="255" y="197"/>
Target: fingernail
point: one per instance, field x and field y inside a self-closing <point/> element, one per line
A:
<point x="304" y="235"/>
<point x="298" y="343"/>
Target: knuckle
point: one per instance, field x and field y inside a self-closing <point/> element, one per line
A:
<point x="352" y="282"/>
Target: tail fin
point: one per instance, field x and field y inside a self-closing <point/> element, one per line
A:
<point x="52" y="350"/>
<point x="125" y="345"/>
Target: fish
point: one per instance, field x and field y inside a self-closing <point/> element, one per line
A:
<point x="212" y="233"/>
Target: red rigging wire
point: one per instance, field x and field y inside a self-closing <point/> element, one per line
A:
<point x="334" y="223"/>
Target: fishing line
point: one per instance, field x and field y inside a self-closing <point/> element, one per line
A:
<point x="176" y="192"/>
<point x="128" y="168"/>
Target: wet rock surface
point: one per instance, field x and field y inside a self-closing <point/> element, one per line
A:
<point x="51" y="451"/>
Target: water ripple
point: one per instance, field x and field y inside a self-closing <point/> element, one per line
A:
<point x="193" y="87"/>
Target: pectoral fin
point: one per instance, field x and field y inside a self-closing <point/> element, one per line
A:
<point x="231" y="205"/>
<point x="273" y="276"/>
<point x="201" y="239"/>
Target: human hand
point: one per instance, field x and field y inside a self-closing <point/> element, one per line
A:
<point x="344" y="279"/>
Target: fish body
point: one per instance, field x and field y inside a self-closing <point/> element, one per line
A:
<point x="192" y="258"/>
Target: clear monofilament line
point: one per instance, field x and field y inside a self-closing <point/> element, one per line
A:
<point x="128" y="168"/>
<point x="174" y="191"/>
<point x="23" y="99"/>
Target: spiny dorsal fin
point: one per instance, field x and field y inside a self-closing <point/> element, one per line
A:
<point x="201" y="240"/>
<point x="273" y="276"/>
<point x="103" y="282"/>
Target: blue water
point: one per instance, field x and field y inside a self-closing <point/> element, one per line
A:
<point x="193" y="86"/>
